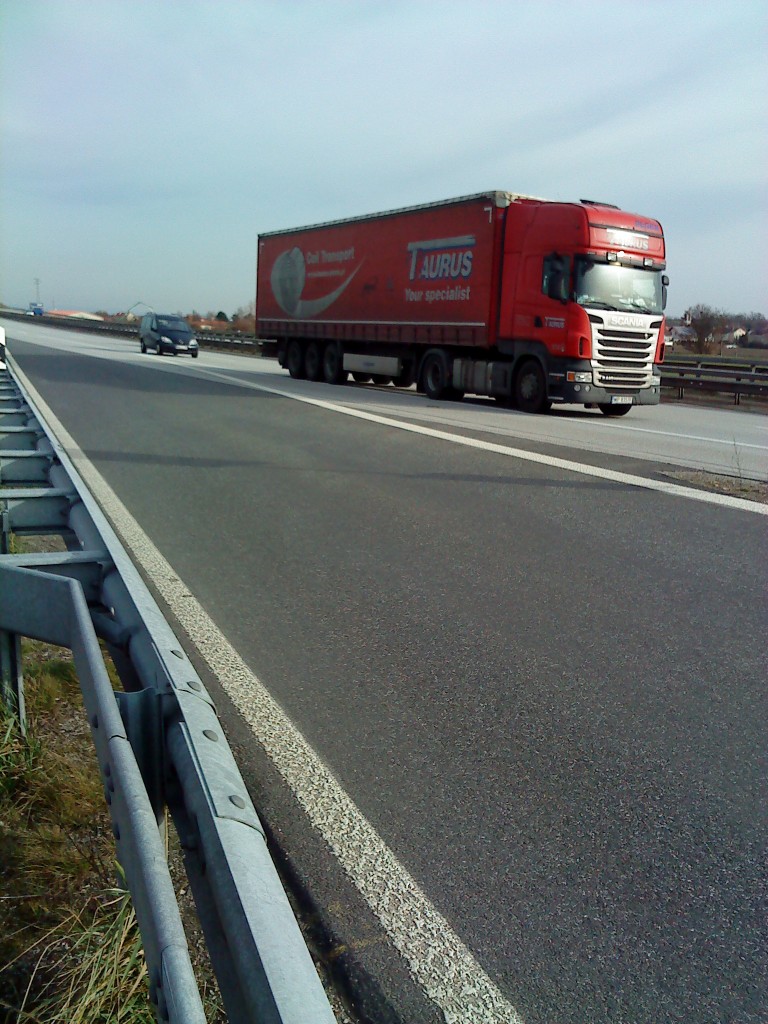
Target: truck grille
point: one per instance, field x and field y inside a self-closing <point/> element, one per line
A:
<point x="623" y="357"/>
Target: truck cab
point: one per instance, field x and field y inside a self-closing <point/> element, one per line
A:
<point x="582" y="299"/>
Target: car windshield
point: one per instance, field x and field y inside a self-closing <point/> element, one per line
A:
<point x="174" y="323"/>
<point x="613" y="286"/>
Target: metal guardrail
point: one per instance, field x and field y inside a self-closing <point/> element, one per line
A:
<point x="716" y="375"/>
<point x="159" y="743"/>
<point x="711" y="374"/>
<point x="243" y="343"/>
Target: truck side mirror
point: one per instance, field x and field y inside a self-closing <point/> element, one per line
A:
<point x="664" y="285"/>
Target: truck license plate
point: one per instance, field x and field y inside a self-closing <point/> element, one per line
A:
<point x="621" y="399"/>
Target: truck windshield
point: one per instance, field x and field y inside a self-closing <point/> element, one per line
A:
<point x="612" y="286"/>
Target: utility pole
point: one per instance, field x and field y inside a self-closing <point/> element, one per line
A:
<point x="37" y="289"/>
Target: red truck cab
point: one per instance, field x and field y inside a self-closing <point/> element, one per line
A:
<point x="583" y="284"/>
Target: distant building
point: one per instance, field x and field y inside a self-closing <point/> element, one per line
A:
<point x="680" y="336"/>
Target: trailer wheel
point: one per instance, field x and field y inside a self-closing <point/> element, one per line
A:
<point x="313" y="362"/>
<point x="294" y="359"/>
<point x="613" y="410"/>
<point x="333" y="364"/>
<point x="381" y="380"/>
<point x="434" y="376"/>
<point x="530" y="390"/>
<point x="406" y="376"/>
<point x="361" y="378"/>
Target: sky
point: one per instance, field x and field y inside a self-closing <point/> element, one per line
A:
<point x="145" y="145"/>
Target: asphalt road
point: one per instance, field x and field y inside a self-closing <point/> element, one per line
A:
<point x="543" y="689"/>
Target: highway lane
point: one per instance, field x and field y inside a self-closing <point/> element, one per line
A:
<point x="716" y="440"/>
<point x="544" y="690"/>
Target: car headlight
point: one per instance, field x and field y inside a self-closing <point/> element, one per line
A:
<point x="166" y="340"/>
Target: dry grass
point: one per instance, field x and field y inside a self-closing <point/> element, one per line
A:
<point x="100" y="974"/>
<point x="59" y="909"/>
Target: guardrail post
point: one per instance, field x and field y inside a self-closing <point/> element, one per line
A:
<point x="142" y="716"/>
<point x="11" y="678"/>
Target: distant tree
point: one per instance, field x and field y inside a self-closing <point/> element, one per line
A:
<point x="244" y="324"/>
<point x="222" y="317"/>
<point x="707" y="325"/>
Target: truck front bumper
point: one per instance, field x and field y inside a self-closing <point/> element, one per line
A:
<point x="561" y="390"/>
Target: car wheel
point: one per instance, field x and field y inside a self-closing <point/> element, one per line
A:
<point x="143" y="349"/>
<point x="195" y="355"/>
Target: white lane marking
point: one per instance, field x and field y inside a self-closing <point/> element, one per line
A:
<point x="436" y="957"/>
<point x="689" y="437"/>
<point x="673" y="490"/>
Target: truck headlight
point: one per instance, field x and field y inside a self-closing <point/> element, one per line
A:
<point x="579" y="377"/>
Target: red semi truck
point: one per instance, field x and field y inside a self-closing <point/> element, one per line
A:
<point x="527" y="300"/>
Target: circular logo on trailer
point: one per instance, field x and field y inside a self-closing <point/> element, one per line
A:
<point x="287" y="280"/>
<point x="288" y="277"/>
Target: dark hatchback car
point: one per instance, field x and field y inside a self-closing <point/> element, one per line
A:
<point x="164" y="332"/>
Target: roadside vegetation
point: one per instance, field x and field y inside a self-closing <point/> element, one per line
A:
<point x="70" y="949"/>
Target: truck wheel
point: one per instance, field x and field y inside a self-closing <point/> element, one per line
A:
<point x="434" y="376"/>
<point x="313" y="362"/>
<point x="381" y="380"/>
<point x="361" y="378"/>
<point x="406" y="377"/>
<point x="294" y="359"/>
<point x="613" y="410"/>
<point x="531" y="388"/>
<point x="333" y="364"/>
